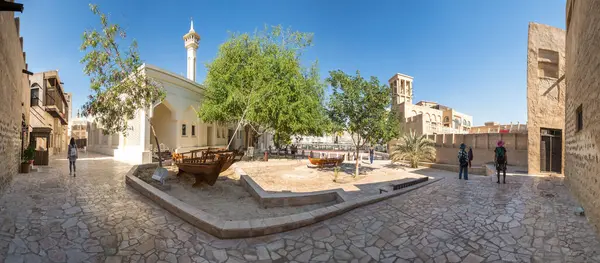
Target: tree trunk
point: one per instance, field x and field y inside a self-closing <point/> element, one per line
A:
<point x="357" y="161"/>
<point x="247" y="142"/>
<point x="157" y="145"/>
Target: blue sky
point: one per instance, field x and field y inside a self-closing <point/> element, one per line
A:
<point x="466" y="54"/>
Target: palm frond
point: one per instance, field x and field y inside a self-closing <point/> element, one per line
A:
<point x="414" y="149"/>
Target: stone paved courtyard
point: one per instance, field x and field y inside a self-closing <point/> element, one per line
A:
<point x="51" y="217"/>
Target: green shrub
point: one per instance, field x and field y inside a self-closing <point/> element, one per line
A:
<point x="29" y="154"/>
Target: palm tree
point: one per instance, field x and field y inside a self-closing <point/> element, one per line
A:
<point x="414" y="149"/>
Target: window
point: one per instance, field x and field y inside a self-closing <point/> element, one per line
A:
<point x="548" y="63"/>
<point x="183" y="130"/>
<point x="35" y="97"/>
<point x="446" y="119"/>
<point x="465" y="122"/>
<point x="193" y="130"/>
<point x="579" y="114"/>
<point x="218" y="133"/>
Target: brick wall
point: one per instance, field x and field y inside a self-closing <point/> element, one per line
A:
<point x="582" y="164"/>
<point x="483" y="146"/>
<point x="11" y="65"/>
<point x="545" y="87"/>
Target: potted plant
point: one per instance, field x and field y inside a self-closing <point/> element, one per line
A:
<point x="28" y="156"/>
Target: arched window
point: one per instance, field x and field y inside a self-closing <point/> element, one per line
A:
<point x="35" y="95"/>
<point x="446" y="119"/>
<point x="465" y="122"/>
<point x="469" y="123"/>
<point x="456" y="123"/>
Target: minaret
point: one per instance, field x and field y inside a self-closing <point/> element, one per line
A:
<point x="191" y="44"/>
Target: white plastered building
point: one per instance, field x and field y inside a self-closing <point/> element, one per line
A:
<point x="175" y="119"/>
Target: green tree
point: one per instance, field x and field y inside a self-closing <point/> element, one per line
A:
<point x="414" y="149"/>
<point x="258" y="82"/>
<point x="360" y="107"/>
<point x="390" y="128"/>
<point x="119" y="86"/>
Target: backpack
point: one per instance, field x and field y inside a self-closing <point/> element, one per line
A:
<point x="500" y="154"/>
<point x="463" y="160"/>
<point x="72" y="151"/>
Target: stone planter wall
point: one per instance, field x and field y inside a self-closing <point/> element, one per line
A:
<point x="227" y="229"/>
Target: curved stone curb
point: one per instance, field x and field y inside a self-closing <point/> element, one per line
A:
<point x="226" y="229"/>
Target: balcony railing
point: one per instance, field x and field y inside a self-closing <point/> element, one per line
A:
<point x="55" y="105"/>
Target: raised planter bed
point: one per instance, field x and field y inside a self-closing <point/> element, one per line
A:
<point x="221" y="228"/>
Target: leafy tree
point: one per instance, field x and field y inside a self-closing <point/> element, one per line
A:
<point x="258" y="81"/>
<point x="119" y="86"/>
<point x="390" y="128"/>
<point x="359" y="107"/>
<point x="414" y="149"/>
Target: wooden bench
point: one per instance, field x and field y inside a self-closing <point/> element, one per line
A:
<point x="404" y="185"/>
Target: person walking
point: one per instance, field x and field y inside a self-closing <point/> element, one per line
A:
<point x="500" y="159"/>
<point x="72" y="156"/>
<point x="371" y="154"/>
<point x="463" y="162"/>
<point x="470" y="156"/>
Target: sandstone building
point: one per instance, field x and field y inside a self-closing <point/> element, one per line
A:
<point x="50" y="108"/>
<point x="14" y="101"/>
<point x="582" y="121"/>
<point x="425" y="117"/>
<point x="78" y="128"/>
<point x="545" y="98"/>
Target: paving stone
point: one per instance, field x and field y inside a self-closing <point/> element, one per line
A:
<point x="220" y="255"/>
<point x="146" y="246"/>
<point x="75" y="255"/>
<point x="342" y="255"/>
<point x="184" y="259"/>
<point x="304" y="256"/>
<point x="113" y="259"/>
<point x="373" y="252"/>
<point x="472" y="258"/>
<point x="32" y="258"/>
<point x="503" y="219"/>
<point x="182" y="235"/>
<point x="452" y="257"/>
<point x="71" y="222"/>
<point x="406" y="253"/>
<point x="321" y="233"/>
<point x="441" y="234"/>
<point x="14" y="259"/>
<point x="56" y="255"/>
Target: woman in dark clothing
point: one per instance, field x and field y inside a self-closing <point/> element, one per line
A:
<point x="72" y="156"/>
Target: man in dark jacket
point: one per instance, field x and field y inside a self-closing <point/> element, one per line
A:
<point x="463" y="162"/>
<point x="470" y="156"/>
<point x="501" y="159"/>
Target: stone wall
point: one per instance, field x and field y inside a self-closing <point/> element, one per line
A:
<point x="11" y="66"/>
<point x="545" y="87"/>
<point x="582" y="162"/>
<point x="483" y="146"/>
